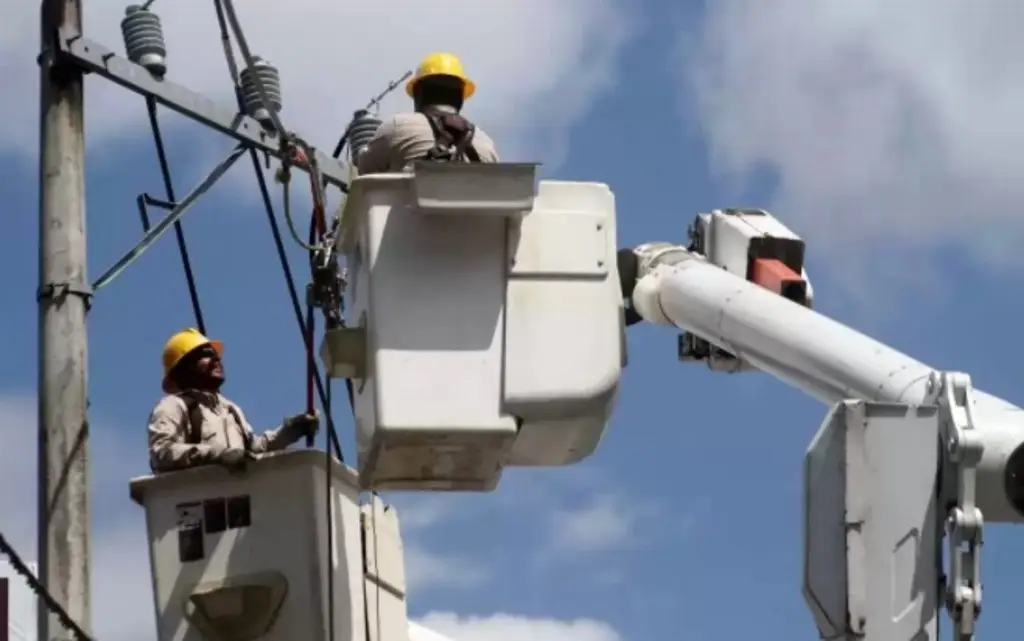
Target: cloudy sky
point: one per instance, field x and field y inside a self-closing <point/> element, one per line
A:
<point x="885" y="132"/>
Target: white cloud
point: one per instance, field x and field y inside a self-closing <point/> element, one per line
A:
<point x="507" y="627"/>
<point x="538" y="65"/>
<point x="429" y="569"/>
<point x="884" y="120"/>
<point x="606" y="522"/>
<point x="422" y="512"/>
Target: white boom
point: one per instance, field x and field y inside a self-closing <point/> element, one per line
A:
<point x="904" y="451"/>
<point x="812" y="352"/>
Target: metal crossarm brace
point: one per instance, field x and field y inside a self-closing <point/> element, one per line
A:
<point x="953" y="393"/>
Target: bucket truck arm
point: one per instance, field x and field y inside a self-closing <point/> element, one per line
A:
<point x="740" y="292"/>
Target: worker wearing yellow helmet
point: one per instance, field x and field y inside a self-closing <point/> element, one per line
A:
<point x="194" y="424"/>
<point x="435" y="129"/>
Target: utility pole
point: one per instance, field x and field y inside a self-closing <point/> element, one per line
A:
<point x="63" y="530"/>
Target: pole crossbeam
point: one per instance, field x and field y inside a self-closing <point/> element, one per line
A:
<point x="95" y="58"/>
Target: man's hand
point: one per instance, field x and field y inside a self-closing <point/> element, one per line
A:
<point x="234" y="458"/>
<point x="300" y="425"/>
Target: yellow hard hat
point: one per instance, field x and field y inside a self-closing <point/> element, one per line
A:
<point x="442" y="64"/>
<point x="179" y="346"/>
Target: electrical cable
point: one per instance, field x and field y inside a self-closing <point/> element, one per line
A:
<point x="179" y="231"/>
<point x="328" y="463"/>
<point x="309" y="334"/>
<point x="286" y="199"/>
<point x="227" y="10"/>
<point x="329" y="481"/>
<point x="268" y="206"/>
<point x="293" y="294"/>
<point x="40" y="591"/>
<point x="225" y="15"/>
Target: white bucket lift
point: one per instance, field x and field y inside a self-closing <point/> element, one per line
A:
<point x="485" y="323"/>
<point x="240" y="557"/>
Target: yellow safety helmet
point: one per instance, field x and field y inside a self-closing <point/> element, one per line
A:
<point x="442" y="64"/>
<point x="179" y="346"/>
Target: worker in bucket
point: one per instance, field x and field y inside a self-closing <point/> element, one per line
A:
<point x="435" y="130"/>
<point x="194" y="424"/>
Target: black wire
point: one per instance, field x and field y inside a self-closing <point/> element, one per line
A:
<point x="293" y="294"/>
<point x="329" y="467"/>
<point x="308" y="329"/>
<point x="282" y="255"/>
<point x="40" y="591"/>
<point x="341" y="143"/>
<point x="179" y="232"/>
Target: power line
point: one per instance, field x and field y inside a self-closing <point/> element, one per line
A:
<point x="40" y="591"/>
<point x="179" y="232"/>
<point x="322" y="389"/>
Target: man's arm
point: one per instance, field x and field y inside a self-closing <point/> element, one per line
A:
<point x="375" y="158"/>
<point x="168" y="448"/>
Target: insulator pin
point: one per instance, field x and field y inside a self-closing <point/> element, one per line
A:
<point x="144" y="39"/>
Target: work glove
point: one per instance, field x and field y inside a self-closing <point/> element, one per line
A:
<point x="300" y="425"/>
<point x="234" y="458"/>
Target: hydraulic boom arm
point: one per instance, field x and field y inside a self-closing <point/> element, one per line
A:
<point x="814" y="353"/>
<point x="905" y="450"/>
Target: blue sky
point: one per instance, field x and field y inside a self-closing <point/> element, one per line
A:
<point x="686" y="522"/>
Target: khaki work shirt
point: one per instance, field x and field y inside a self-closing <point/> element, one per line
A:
<point x="169" y="427"/>
<point x="405" y="139"/>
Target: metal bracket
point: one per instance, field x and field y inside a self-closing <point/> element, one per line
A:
<point x="953" y="393"/>
<point x="58" y="292"/>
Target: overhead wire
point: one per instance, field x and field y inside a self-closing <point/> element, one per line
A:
<point x="317" y="231"/>
<point x="179" y="232"/>
<point x="221" y="7"/>
<point x="37" y="587"/>
<point x="328" y="474"/>
<point x="275" y="229"/>
<point x="317" y="227"/>
<point x="284" y="177"/>
<point x="310" y="334"/>
<point x="287" y="138"/>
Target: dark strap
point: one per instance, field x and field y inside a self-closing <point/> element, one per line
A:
<point x="246" y="436"/>
<point x="453" y="137"/>
<point x="195" y="420"/>
<point x="194" y="436"/>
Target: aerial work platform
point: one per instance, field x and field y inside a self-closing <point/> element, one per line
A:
<point x="485" y="323"/>
<point x="240" y="557"/>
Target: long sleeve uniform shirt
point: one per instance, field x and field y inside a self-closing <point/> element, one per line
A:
<point x="402" y="140"/>
<point x="169" y="427"/>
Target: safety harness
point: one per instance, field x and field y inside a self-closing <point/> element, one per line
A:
<point x="195" y="419"/>
<point x="453" y="137"/>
